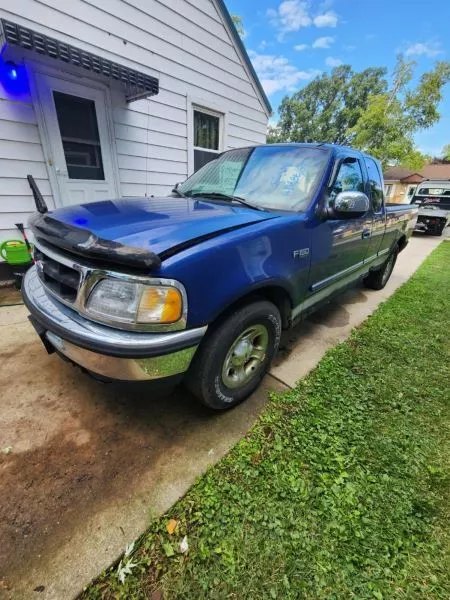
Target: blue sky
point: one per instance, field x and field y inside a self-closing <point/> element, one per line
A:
<point x="291" y="41"/>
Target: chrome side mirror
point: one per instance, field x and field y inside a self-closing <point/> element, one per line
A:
<point x="350" y="205"/>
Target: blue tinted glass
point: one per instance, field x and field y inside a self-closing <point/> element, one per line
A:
<point x="278" y="177"/>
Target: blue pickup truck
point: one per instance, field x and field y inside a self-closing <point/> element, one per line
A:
<point x="198" y="286"/>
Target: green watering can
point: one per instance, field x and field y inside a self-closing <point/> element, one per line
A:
<point x="15" y="252"/>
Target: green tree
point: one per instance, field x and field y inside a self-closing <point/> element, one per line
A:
<point x="273" y="135"/>
<point x="446" y="152"/>
<point x="328" y="107"/>
<point x="361" y="109"/>
<point x="386" y="129"/>
<point x="239" y="24"/>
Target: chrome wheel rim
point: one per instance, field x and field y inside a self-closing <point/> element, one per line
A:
<point x="245" y="357"/>
<point x="388" y="269"/>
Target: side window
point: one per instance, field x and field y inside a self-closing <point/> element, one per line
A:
<point x="207" y="132"/>
<point x="376" y="186"/>
<point x="348" y="179"/>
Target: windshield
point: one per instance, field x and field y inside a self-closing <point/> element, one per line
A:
<point x="276" y="177"/>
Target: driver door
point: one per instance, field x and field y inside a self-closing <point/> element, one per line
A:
<point x="339" y="246"/>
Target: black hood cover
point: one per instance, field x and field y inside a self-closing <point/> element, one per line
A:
<point x="85" y="243"/>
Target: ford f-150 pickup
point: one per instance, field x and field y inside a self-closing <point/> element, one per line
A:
<point x="198" y="286"/>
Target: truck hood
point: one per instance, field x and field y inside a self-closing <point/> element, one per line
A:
<point x="156" y="226"/>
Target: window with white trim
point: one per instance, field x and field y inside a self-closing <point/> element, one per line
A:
<point x="388" y="190"/>
<point x="410" y="192"/>
<point x="207" y="136"/>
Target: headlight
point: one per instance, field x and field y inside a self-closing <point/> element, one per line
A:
<point x="115" y="300"/>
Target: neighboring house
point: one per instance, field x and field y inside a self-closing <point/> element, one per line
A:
<point x="108" y="98"/>
<point x="400" y="183"/>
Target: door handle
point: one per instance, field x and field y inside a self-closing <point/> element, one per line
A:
<point x="365" y="234"/>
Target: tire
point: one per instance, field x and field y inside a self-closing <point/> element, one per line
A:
<point x="376" y="280"/>
<point x="234" y="357"/>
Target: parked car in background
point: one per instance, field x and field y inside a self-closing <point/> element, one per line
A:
<point x="433" y="199"/>
<point x="198" y="286"/>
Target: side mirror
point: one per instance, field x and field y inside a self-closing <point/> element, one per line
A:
<point x="350" y="205"/>
<point x="175" y="187"/>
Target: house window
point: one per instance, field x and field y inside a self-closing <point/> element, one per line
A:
<point x="207" y="137"/>
<point x="388" y="190"/>
<point x="78" y="127"/>
<point x="410" y="192"/>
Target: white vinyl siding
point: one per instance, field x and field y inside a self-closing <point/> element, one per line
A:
<point x="184" y="43"/>
<point x="20" y="155"/>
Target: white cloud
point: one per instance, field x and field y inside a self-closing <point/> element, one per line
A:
<point x="328" y="19"/>
<point x="323" y="42"/>
<point x="291" y="15"/>
<point x="276" y="73"/>
<point x="333" y="62"/>
<point x="429" y="49"/>
<point x="300" y="47"/>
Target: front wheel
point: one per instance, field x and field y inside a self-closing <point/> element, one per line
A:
<point x="233" y="359"/>
<point x="376" y="280"/>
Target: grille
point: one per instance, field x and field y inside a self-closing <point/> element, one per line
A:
<point x="58" y="278"/>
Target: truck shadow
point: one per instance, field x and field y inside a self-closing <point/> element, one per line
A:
<point x="333" y="315"/>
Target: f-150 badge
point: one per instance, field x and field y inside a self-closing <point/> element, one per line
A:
<point x="300" y="253"/>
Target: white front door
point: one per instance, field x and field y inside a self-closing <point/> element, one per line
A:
<point x="79" y="140"/>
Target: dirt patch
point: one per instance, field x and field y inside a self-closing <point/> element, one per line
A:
<point x="10" y="296"/>
<point x="69" y="443"/>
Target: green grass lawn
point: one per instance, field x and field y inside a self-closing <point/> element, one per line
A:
<point x="340" y="490"/>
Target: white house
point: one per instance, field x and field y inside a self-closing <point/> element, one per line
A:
<point x="108" y="98"/>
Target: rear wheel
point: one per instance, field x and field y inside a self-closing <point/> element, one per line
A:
<point x="233" y="359"/>
<point x="376" y="280"/>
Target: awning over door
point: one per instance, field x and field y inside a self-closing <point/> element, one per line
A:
<point x="137" y="85"/>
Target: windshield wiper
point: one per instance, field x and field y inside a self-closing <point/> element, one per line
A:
<point x="228" y="197"/>
<point x="178" y="193"/>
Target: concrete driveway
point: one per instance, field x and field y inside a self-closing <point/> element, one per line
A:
<point x="85" y="466"/>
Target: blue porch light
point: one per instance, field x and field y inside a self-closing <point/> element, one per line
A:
<point x="13" y="78"/>
<point x="11" y="71"/>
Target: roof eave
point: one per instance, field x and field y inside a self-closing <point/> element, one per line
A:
<point x="237" y="39"/>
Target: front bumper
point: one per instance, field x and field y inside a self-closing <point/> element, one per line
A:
<point x="108" y="352"/>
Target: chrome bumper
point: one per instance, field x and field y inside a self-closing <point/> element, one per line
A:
<point x="111" y="353"/>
